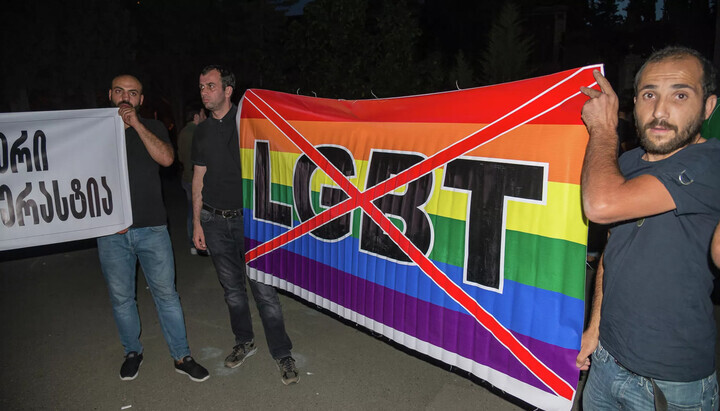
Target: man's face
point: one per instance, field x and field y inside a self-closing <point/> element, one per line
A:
<point x="669" y="106"/>
<point x="214" y="97"/>
<point x="126" y="90"/>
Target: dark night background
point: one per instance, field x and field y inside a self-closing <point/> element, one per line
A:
<point x="62" y="55"/>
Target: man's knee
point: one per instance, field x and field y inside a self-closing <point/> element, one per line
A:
<point x="266" y="299"/>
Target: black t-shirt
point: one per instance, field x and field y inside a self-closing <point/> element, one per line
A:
<point x="145" y="189"/>
<point x="216" y="146"/>
<point x="657" y="316"/>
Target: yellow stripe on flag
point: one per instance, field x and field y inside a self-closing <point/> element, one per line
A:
<point x="561" y="218"/>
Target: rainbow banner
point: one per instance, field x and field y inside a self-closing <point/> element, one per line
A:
<point x="450" y="223"/>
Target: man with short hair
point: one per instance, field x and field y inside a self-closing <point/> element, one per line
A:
<point x="194" y="115"/>
<point x="652" y="331"/>
<point x="218" y="224"/>
<point x="147" y="240"/>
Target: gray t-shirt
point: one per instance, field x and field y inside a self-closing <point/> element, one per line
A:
<point x="657" y="316"/>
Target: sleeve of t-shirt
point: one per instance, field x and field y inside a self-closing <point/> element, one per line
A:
<point x="197" y="154"/>
<point x="693" y="181"/>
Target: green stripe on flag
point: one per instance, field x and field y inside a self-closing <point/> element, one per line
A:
<point x="547" y="263"/>
<point x="529" y="259"/>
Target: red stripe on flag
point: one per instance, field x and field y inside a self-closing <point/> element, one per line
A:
<point x="457" y="106"/>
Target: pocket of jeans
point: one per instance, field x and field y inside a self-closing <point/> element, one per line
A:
<point x="158" y="228"/>
<point x="685" y="395"/>
<point x="205" y="216"/>
<point x="600" y="354"/>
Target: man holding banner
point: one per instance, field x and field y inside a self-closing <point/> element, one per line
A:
<point x="147" y="240"/>
<point x="218" y="224"/>
<point x="652" y="331"/>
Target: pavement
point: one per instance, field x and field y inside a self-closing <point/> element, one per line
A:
<point x="61" y="348"/>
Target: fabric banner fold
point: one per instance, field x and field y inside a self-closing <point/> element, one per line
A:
<point x="450" y="223"/>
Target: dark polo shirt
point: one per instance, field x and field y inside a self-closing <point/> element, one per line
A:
<point x="216" y="146"/>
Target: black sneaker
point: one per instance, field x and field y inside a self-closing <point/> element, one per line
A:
<point x="189" y="367"/>
<point x="288" y="370"/>
<point x="130" y="366"/>
<point x="240" y="353"/>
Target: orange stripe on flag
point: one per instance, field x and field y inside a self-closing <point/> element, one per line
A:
<point x="550" y="144"/>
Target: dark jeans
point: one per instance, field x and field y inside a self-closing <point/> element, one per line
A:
<point x="225" y="240"/>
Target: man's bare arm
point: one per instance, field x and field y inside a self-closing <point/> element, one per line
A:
<point x="715" y="246"/>
<point x="607" y="196"/>
<point x="591" y="336"/>
<point x="160" y="151"/>
<point x="197" y="186"/>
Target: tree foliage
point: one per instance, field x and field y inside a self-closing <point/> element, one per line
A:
<point x="508" y="52"/>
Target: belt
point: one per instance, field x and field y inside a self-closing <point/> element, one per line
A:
<point x="221" y="213"/>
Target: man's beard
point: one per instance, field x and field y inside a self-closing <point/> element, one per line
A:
<point x="681" y="139"/>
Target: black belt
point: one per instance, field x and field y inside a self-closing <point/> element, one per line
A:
<point x="221" y="213"/>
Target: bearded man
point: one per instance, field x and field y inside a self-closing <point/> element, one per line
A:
<point x="147" y="240"/>
<point x="652" y="331"/>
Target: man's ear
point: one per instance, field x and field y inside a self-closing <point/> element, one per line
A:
<point x="710" y="105"/>
<point x="228" y="91"/>
<point x="142" y="98"/>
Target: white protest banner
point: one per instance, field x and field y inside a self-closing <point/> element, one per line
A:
<point x="63" y="176"/>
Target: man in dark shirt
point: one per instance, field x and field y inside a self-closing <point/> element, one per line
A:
<point x="652" y="331"/>
<point x="193" y="116"/>
<point x="147" y="240"/>
<point x="218" y="224"/>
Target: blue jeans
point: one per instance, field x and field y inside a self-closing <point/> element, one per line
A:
<point x="225" y="239"/>
<point x="119" y="254"/>
<point x="612" y="387"/>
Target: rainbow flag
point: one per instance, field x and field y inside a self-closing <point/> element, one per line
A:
<point x="450" y="222"/>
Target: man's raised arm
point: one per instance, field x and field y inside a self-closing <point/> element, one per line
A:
<point x="607" y="196"/>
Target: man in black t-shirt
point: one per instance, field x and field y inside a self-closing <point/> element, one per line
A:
<point x="218" y="224"/>
<point x="652" y="331"/>
<point x="147" y="240"/>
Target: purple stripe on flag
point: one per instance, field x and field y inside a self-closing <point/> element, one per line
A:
<point x="451" y="330"/>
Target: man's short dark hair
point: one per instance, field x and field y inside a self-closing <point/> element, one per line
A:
<point x="678" y="52"/>
<point x="227" y="76"/>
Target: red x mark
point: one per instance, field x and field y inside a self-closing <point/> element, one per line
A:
<point x="537" y="106"/>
